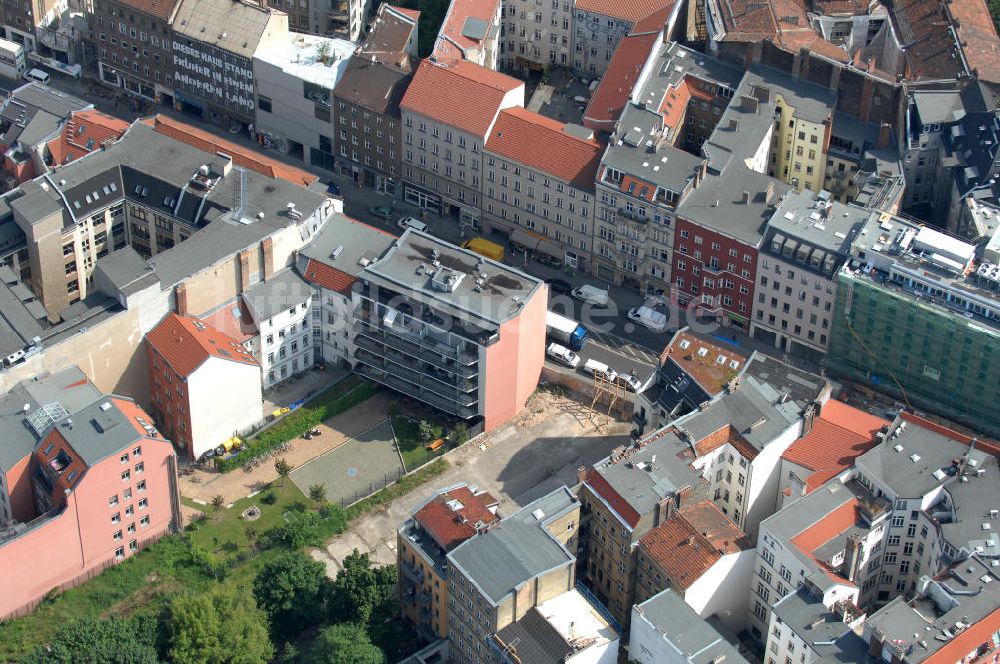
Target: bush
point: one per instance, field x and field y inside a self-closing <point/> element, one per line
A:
<point x="269" y="497"/>
<point x="331" y="402"/>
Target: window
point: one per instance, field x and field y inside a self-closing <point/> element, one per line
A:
<point x="144" y="521"/>
<point x="123" y="458"/>
<point x="133" y="546"/>
<point x="139" y="468"/>
<point x="140" y="486"/>
<point x="116" y="518"/>
<point x="143" y="503"/>
<point x="126" y="475"/>
<point x="113" y="500"/>
<point x="119" y="553"/>
<point x="264" y="103"/>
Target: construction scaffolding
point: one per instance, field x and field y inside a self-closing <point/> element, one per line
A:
<point x="609" y="392"/>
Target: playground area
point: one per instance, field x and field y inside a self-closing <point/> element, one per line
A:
<point x="359" y="467"/>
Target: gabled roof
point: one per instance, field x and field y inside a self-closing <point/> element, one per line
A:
<point x="831" y="525"/>
<point x="518" y="133"/>
<point x="612" y="497"/>
<point x="623" y="71"/>
<point x="185" y="342"/>
<point x="84" y="132"/>
<point x="978" y="36"/>
<point x="161" y="9"/>
<point x="451" y="517"/>
<point x="328" y="277"/>
<point x="839" y="435"/>
<point x="626" y="10"/>
<point x="234" y="320"/>
<point x="242" y="156"/>
<point x="694" y="538"/>
<point x="458" y="93"/>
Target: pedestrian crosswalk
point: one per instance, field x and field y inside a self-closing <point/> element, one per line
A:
<point x="624" y="347"/>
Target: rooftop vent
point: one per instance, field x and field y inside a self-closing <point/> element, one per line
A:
<point x="446" y="280"/>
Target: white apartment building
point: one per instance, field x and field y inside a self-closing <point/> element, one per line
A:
<point x="448" y="112"/>
<point x="332" y="264"/>
<point x="281" y="308"/>
<point x="805" y="630"/>
<point x="665" y="630"/>
<point x="543" y="198"/>
<point x="830" y="539"/>
<point x="295" y="79"/>
<point x="806" y="242"/>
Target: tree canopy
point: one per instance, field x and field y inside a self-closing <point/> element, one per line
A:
<point x="96" y="641"/>
<point x="292" y="589"/>
<point x="360" y="589"/>
<point x="220" y="626"/>
<point x="345" y="644"/>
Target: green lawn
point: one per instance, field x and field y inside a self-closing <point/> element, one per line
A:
<point x="412" y="447"/>
<point x="224" y="534"/>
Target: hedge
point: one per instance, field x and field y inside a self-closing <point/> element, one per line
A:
<point x="332" y="402"/>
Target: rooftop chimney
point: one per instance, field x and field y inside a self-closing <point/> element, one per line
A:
<point x="748" y="104"/>
<point x="884" y="135"/>
<point x="746" y="197"/>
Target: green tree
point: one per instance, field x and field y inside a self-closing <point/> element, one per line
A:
<point x="360" y="589"/>
<point x="95" y="641"/>
<point x="282" y="467"/>
<point x="345" y="644"/>
<point x="317" y="492"/>
<point x="218" y="502"/>
<point x="222" y="625"/>
<point x="291" y="589"/>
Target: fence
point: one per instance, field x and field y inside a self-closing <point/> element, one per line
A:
<point x="374" y="487"/>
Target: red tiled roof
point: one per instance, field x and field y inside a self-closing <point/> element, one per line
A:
<point x="454" y="22"/>
<point x="829" y="526"/>
<point x="185" y="343"/>
<point x="626" y="10"/>
<point x="958" y="649"/>
<point x="458" y="93"/>
<point x="613" y="92"/>
<point x="978" y="36"/>
<point x="694" y="538"/>
<point x="519" y="133"/>
<point x="328" y="277"/>
<point x="224" y="320"/>
<point x="923" y="26"/>
<point x="703" y="368"/>
<point x="612" y="498"/>
<point x="637" y="188"/>
<point x="450" y="525"/>
<point x="839" y="435"/>
<point x="131" y="410"/>
<point x="161" y="9"/>
<point x="242" y="156"/>
<point x="726" y="434"/>
<point x="83" y="133"/>
<point x="413" y="14"/>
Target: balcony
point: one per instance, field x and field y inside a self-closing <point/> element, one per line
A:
<point x="371" y="368"/>
<point x="416" y="345"/>
<point x="632" y="215"/>
<point x="412" y="573"/>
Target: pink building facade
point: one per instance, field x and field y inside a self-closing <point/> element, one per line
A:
<point x="102" y="484"/>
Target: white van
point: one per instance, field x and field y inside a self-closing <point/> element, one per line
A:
<point x="592" y="294"/>
<point x="562" y="354"/>
<point x="37" y="75"/>
<point x="647" y="317"/>
<point x="594" y="367"/>
<point x="410" y="222"/>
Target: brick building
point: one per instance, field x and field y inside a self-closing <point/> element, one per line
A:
<point x="133" y="42"/>
<point x="203" y="383"/>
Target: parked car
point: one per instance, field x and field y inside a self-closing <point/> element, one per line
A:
<point x="380" y="211"/>
<point x="630" y="380"/>
<point x="332" y="188"/>
<point x="647" y="317"/>
<point x="560" y="286"/>
<point x="593" y="367"/>
<point x="598" y="297"/>
<point x="411" y="222"/>
<point x="560" y="353"/>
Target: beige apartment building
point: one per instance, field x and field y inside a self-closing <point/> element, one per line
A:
<point x="805" y="244"/>
<point x="537" y="35"/>
<point x="447" y="112"/>
<point x="498" y="576"/>
<point x="543" y="198"/>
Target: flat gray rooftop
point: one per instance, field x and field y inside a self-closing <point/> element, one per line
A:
<point x="686" y="630"/>
<point x="801" y="215"/>
<point x="509" y="554"/>
<point x="973" y="588"/>
<point x="281" y="292"/>
<point x="70" y="388"/>
<point x="127" y="270"/>
<point x="408" y="267"/>
<point x="352" y="241"/>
